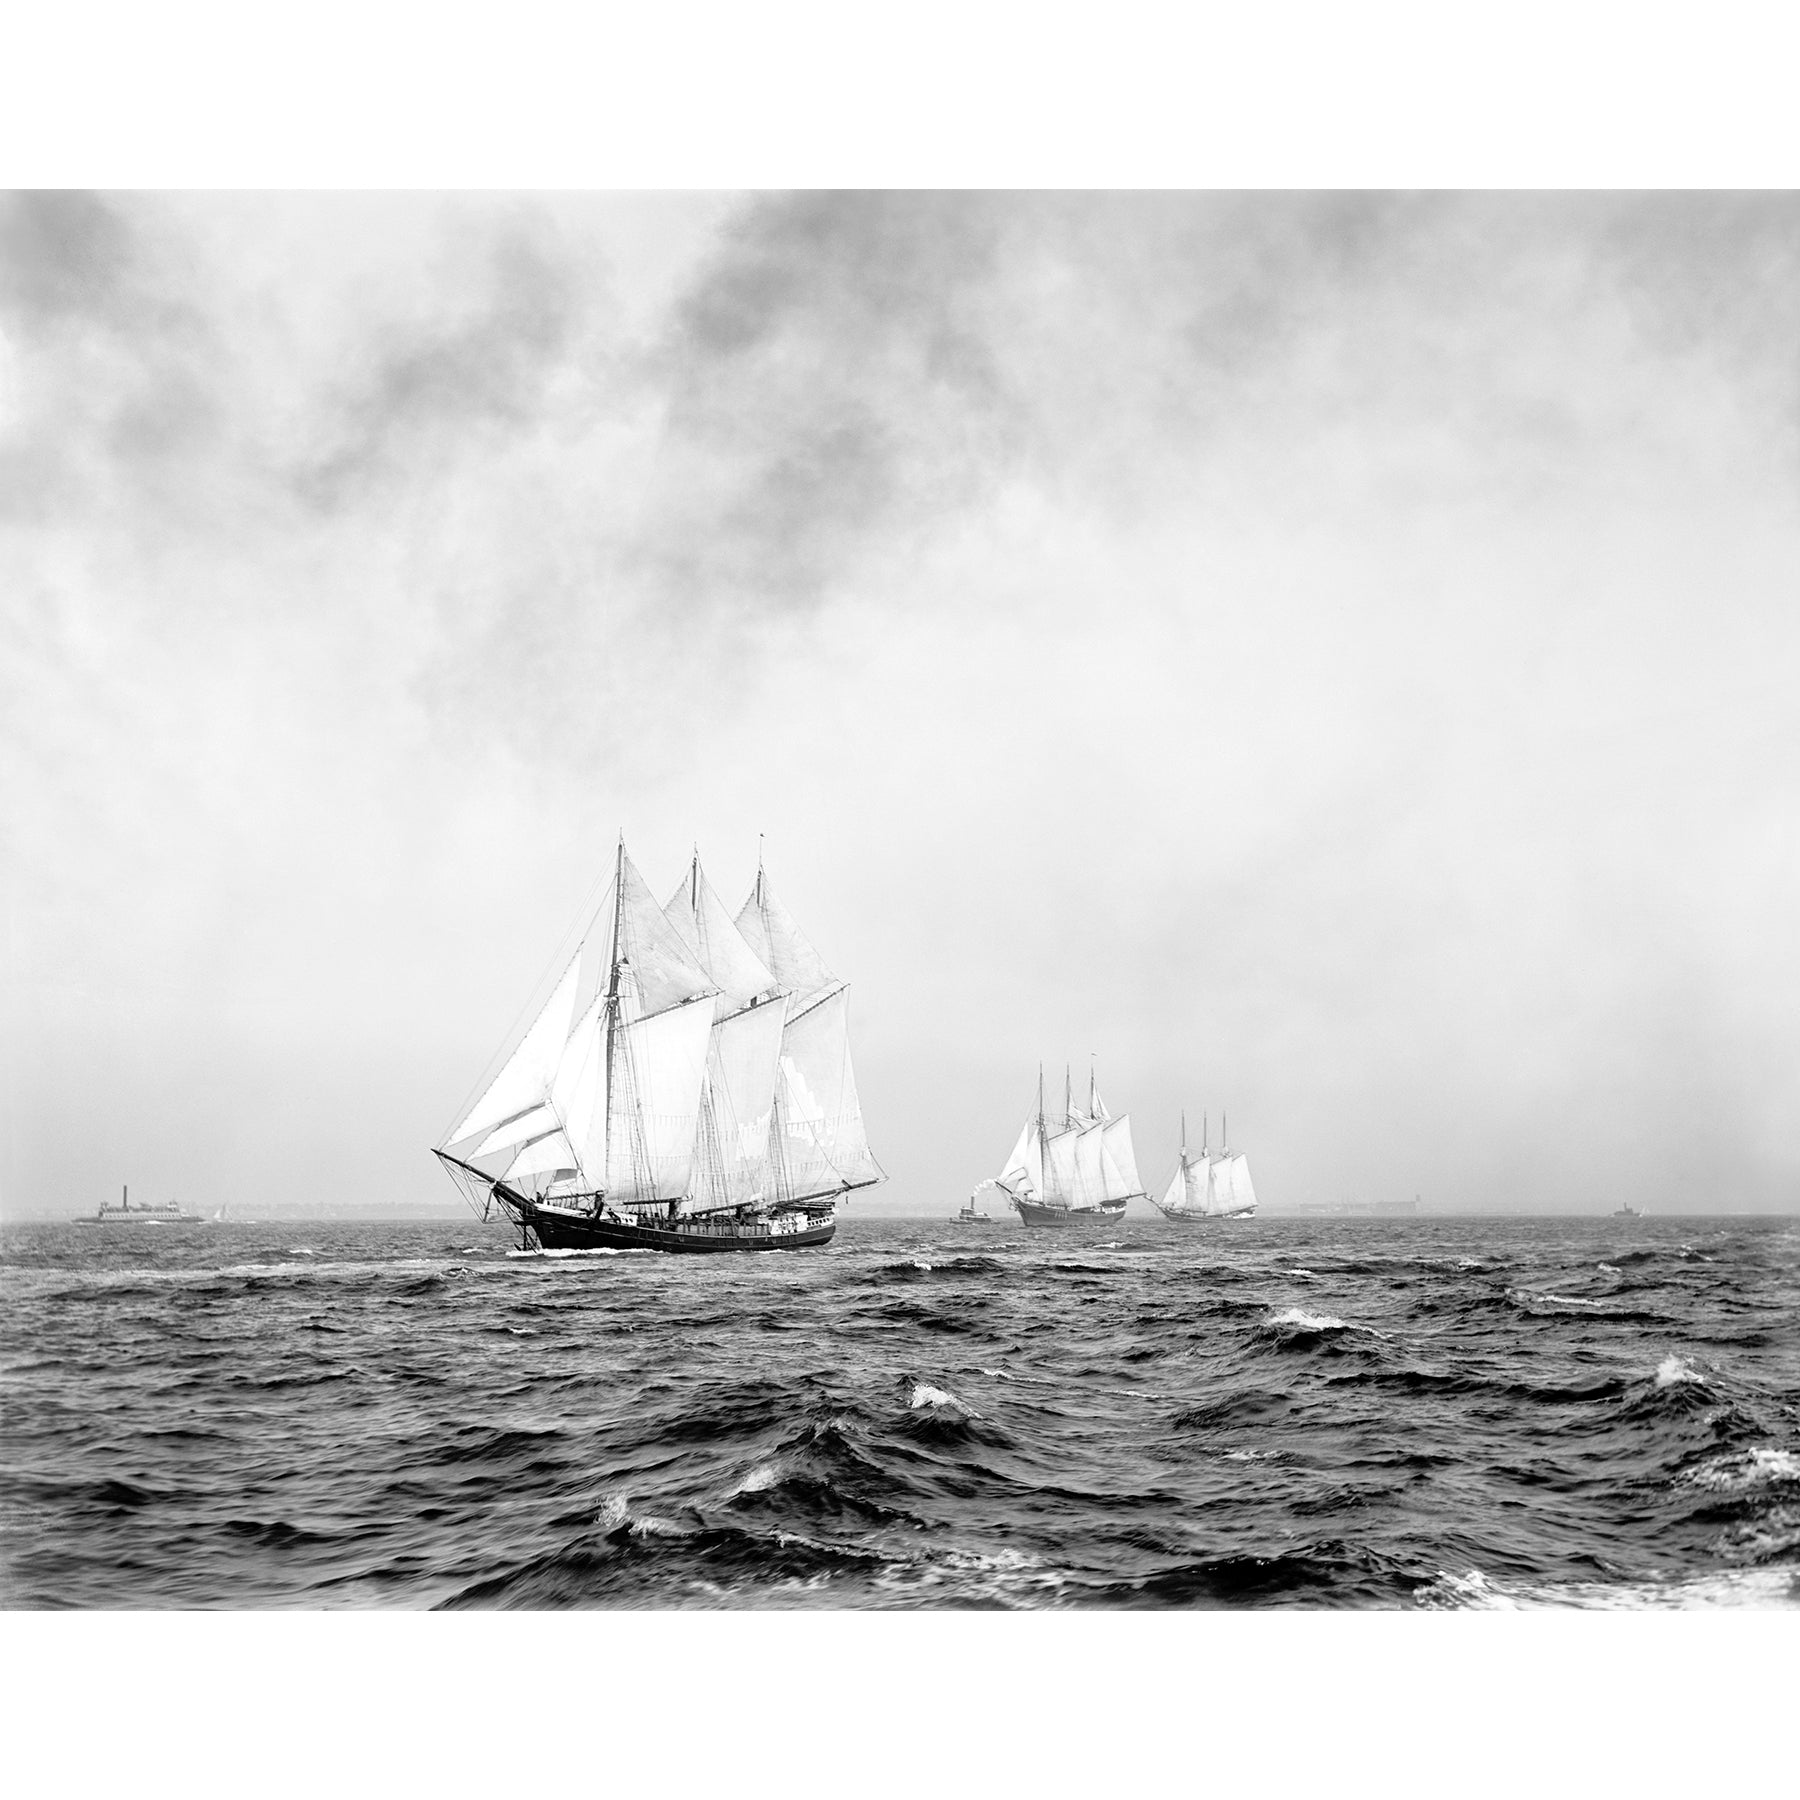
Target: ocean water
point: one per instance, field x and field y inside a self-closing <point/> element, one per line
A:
<point x="1429" y="1413"/>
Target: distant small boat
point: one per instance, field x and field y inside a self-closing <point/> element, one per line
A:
<point x="1629" y="1212"/>
<point x="169" y="1213"/>
<point x="971" y="1216"/>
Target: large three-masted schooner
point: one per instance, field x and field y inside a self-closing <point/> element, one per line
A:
<point x="1215" y="1185"/>
<point x="1078" y="1169"/>
<point x="686" y="1087"/>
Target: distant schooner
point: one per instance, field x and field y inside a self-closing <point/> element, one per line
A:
<point x="1215" y="1186"/>
<point x="686" y="1087"/>
<point x="1076" y="1170"/>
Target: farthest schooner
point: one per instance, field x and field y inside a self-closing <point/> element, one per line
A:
<point x="1076" y="1170"/>
<point x="1216" y="1186"/>
<point x="686" y="1087"/>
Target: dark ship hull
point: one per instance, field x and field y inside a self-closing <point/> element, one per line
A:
<point x="556" y="1230"/>
<point x="1063" y="1217"/>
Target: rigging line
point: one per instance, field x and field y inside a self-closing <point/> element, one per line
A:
<point x="814" y="1002"/>
<point x="571" y="942"/>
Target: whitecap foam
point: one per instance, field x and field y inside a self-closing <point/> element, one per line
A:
<point x="1724" y="1588"/>
<point x="1530" y="1297"/>
<point x="924" y="1395"/>
<point x="1305" y="1321"/>
<point x="763" y="1476"/>
<point x="1745" y="1469"/>
<point x="1301" y="1274"/>
<point x="651" y="1526"/>
<point x="1672" y="1372"/>
<point x="613" y="1511"/>
<point x="998" y="1374"/>
<point x="569" y="1255"/>
<point x="1606" y="1268"/>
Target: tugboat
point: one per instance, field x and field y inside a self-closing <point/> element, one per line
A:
<point x="169" y="1213"/>
<point x="1628" y="1211"/>
<point x="687" y="1086"/>
<point x="970" y="1215"/>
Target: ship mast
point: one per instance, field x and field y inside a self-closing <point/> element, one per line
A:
<point x="1043" y="1135"/>
<point x="612" y="998"/>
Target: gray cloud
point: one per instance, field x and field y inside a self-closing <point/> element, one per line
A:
<point x="111" y="354"/>
<point x="426" y="389"/>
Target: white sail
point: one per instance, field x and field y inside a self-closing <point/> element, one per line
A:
<point x="1185" y="1194"/>
<point x="1062" y="1176"/>
<point x="551" y="1156"/>
<point x="743" y="1065"/>
<point x="657" y="969"/>
<point x="659" y="1067"/>
<point x="1075" y="1168"/>
<point x="579" y="1095"/>
<point x="1225" y="1184"/>
<point x="1122" y="1180"/>
<point x="820" y="1143"/>
<point x="524" y="1079"/>
<point x="1091" y="1166"/>
<point x="731" y="1164"/>
<point x="1243" y="1195"/>
<point x="1024" y="1171"/>
<point x="781" y="947"/>
<point x="717" y="945"/>
<point x="523" y="1128"/>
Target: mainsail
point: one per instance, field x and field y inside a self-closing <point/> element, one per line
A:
<point x="817" y="1143"/>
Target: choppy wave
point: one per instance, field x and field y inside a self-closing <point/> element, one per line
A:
<point x="1461" y="1414"/>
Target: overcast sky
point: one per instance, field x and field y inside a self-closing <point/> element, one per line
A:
<point x="1333" y="659"/>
